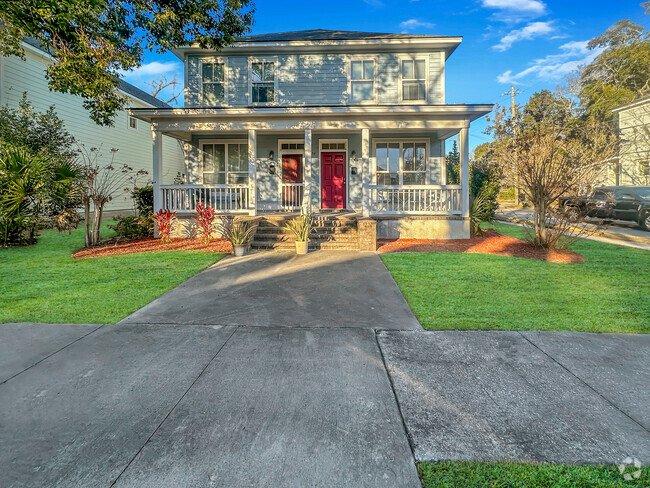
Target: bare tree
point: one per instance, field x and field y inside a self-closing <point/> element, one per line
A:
<point x="99" y="185"/>
<point x="158" y="86"/>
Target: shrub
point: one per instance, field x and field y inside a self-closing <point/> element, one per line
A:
<point x="132" y="227"/>
<point x="143" y="198"/>
<point x="238" y="233"/>
<point x="205" y="219"/>
<point x="165" y="221"/>
<point x="301" y="227"/>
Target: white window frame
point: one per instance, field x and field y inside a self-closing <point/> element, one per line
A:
<point x="347" y="168"/>
<point x="203" y="142"/>
<point x="426" y="79"/>
<point x="374" y="79"/>
<point x="281" y="152"/>
<point x="128" y="122"/>
<point x="401" y="142"/>
<point x="213" y="60"/>
<point x="273" y="60"/>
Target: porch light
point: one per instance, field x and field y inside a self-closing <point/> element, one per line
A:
<point x="271" y="168"/>
<point x="353" y="155"/>
<point x="271" y="155"/>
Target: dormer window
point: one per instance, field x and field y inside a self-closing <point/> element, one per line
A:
<point x="213" y="83"/>
<point x="414" y="79"/>
<point x="362" y="81"/>
<point x="263" y="81"/>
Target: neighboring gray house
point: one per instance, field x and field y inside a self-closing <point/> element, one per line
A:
<point x="131" y="137"/>
<point x="322" y="120"/>
<point x="632" y="165"/>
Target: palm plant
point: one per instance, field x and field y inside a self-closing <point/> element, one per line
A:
<point x="238" y="233"/>
<point x="482" y="209"/>
<point x="301" y="227"/>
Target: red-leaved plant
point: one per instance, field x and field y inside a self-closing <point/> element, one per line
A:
<point x="165" y="221"/>
<point x="205" y="219"/>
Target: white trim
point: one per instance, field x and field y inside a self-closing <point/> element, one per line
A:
<point x="401" y="141"/>
<point x="320" y="168"/>
<point x="263" y="59"/>
<point x="443" y="81"/>
<point x="361" y="57"/>
<point x="400" y="95"/>
<point x="281" y="152"/>
<point x="202" y="142"/>
<point x="226" y="76"/>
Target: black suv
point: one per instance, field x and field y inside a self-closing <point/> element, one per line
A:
<point x="630" y="203"/>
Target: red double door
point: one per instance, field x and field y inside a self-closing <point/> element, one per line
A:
<point x="333" y="180"/>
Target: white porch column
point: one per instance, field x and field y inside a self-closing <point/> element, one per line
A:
<point x="306" y="197"/>
<point x="252" y="171"/>
<point x="365" y="171"/>
<point x="157" y="175"/>
<point x="463" y="142"/>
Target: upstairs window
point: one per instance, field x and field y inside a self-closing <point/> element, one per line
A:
<point x="263" y="82"/>
<point x="414" y="79"/>
<point x="225" y="163"/>
<point x="213" y="83"/>
<point x="362" y="81"/>
<point x="133" y="123"/>
<point x="401" y="163"/>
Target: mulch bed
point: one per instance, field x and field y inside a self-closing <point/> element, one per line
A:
<point x="151" y="244"/>
<point x="491" y="242"/>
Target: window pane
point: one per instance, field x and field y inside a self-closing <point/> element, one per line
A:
<point x="214" y="178"/>
<point x="407" y="154"/>
<point x="269" y="71"/>
<point x="256" y="69"/>
<point x="218" y="72"/>
<point x="393" y="157"/>
<point x="237" y="178"/>
<point x="381" y="156"/>
<point x="263" y="93"/>
<point x="368" y="70"/>
<point x="421" y="91"/>
<point x="233" y="157"/>
<point x="213" y="93"/>
<point x="420" y="157"/>
<point x="356" y="70"/>
<point x="419" y="69"/>
<point x="407" y="70"/>
<point x="414" y="178"/>
<point x="413" y="91"/>
<point x="219" y="157"/>
<point x="208" y="161"/>
<point x="207" y="72"/>
<point x="361" y="90"/>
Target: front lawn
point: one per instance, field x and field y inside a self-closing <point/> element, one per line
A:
<point x="42" y="283"/>
<point x="610" y="292"/>
<point x="512" y="475"/>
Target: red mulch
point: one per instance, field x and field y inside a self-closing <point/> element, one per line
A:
<point x="151" y="244"/>
<point x="491" y="242"/>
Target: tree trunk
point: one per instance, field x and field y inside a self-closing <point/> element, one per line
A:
<point x="539" y="225"/>
<point x="87" y="240"/>
<point x="97" y="222"/>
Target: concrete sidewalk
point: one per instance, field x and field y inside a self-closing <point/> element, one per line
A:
<point x="281" y="289"/>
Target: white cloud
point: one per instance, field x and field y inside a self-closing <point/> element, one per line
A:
<point x="529" y="6"/>
<point x="531" y="31"/>
<point x="554" y="67"/>
<point x="155" y="68"/>
<point x="374" y="3"/>
<point x="412" y="24"/>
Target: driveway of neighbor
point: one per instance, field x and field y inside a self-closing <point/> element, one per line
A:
<point x="280" y="289"/>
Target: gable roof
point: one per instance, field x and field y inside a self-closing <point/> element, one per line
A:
<point x="328" y="35"/>
<point x="124" y="86"/>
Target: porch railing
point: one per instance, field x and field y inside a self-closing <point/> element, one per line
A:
<point x="223" y="198"/>
<point x="416" y="200"/>
<point x="291" y="196"/>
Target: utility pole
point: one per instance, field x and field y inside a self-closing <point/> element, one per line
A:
<point x="513" y="91"/>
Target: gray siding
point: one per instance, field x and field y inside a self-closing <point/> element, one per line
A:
<point x="315" y="79"/>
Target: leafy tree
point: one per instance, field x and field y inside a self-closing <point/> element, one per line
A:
<point x="551" y="150"/>
<point x="93" y="40"/>
<point x="621" y="72"/>
<point x="453" y="165"/>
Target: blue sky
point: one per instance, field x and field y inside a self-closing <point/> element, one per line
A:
<point x="532" y="44"/>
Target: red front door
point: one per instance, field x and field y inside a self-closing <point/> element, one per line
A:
<point x="291" y="173"/>
<point x="333" y="179"/>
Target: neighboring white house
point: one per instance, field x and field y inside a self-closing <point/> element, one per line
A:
<point x="632" y="167"/>
<point x="131" y="137"/>
<point x="323" y="120"/>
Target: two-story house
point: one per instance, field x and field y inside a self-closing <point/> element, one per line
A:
<point x="321" y="120"/>
<point x="632" y="165"/>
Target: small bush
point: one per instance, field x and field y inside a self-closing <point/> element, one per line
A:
<point x="165" y="221"/>
<point x="205" y="220"/>
<point x="143" y="198"/>
<point x="132" y="227"/>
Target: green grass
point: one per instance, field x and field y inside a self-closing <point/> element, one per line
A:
<point x="42" y="283"/>
<point x="610" y="292"/>
<point x="511" y="475"/>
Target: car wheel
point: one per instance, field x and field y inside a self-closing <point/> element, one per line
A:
<point x="645" y="221"/>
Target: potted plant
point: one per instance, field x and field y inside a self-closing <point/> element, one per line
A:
<point x="238" y="233"/>
<point x="301" y="228"/>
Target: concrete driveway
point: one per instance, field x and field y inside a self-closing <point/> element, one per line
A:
<point x="280" y="289"/>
